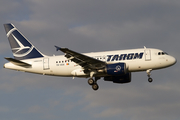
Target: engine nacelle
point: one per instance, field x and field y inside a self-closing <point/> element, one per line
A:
<point x="116" y="69"/>
<point x="119" y="79"/>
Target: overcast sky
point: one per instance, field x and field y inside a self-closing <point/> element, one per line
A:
<point x="90" y="26"/>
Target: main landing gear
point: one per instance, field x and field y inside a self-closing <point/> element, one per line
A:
<point x="93" y="83"/>
<point x="149" y="75"/>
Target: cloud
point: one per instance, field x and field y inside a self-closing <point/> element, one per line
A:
<point x="131" y="102"/>
<point x="87" y="26"/>
<point x="4" y="109"/>
<point x="35" y="109"/>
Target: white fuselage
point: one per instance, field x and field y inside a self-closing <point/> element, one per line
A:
<point x="61" y="66"/>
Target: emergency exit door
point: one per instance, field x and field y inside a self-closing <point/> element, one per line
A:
<point x="147" y="54"/>
<point x="46" y="63"/>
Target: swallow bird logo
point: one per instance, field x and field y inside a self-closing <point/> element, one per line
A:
<point x="22" y="50"/>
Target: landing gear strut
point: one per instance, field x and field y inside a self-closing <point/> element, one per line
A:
<point x="93" y="82"/>
<point x="149" y="75"/>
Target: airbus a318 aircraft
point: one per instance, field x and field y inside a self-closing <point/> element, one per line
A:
<point x="115" y="66"/>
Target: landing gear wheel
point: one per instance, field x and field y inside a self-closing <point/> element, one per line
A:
<point x="90" y="81"/>
<point x="95" y="86"/>
<point x="149" y="74"/>
<point x="150" y="80"/>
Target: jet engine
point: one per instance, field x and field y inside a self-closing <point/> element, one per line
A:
<point x="116" y="69"/>
<point x="126" y="78"/>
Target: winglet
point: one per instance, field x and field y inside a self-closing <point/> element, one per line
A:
<point x="57" y="48"/>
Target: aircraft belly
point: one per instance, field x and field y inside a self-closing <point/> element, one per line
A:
<point x="135" y="66"/>
<point x="63" y="70"/>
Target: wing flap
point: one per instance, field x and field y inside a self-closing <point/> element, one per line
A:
<point x="18" y="62"/>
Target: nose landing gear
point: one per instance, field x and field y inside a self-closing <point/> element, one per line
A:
<point x="149" y="75"/>
<point x="150" y="80"/>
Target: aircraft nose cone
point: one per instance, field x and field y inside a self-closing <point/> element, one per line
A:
<point x="173" y="60"/>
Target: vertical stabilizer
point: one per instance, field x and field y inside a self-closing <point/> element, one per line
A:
<point x="21" y="47"/>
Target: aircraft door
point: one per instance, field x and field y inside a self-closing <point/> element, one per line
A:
<point x="147" y="54"/>
<point x="46" y="63"/>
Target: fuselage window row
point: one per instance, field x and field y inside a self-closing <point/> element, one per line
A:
<point x="66" y="61"/>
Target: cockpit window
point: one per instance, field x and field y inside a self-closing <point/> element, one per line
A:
<point x="162" y="53"/>
<point x="165" y="53"/>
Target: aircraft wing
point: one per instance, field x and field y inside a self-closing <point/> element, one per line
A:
<point x="82" y="60"/>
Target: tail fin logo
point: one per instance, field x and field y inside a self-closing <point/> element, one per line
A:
<point x="22" y="50"/>
<point x="21" y="47"/>
<point x="19" y="50"/>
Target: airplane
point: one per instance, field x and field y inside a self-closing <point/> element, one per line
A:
<point x="115" y="66"/>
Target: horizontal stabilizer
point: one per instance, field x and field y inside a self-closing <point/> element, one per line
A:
<point x="18" y="62"/>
